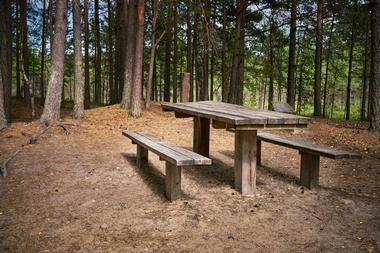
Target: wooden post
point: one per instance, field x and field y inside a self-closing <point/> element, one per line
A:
<point x="172" y="181"/>
<point x="185" y="88"/>
<point x="245" y="161"/>
<point x="258" y="153"/>
<point x="309" y="170"/>
<point x="201" y="136"/>
<point x="142" y="156"/>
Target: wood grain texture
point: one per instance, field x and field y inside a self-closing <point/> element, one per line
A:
<point x="306" y="147"/>
<point x="245" y="162"/>
<point x="172" y="181"/>
<point x="142" y="156"/>
<point x="309" y="170"/>
<point x="170" y="153"/>
<point x="201" y="136"/>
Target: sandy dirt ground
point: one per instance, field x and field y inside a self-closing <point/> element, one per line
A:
<point x="82" y="192"/>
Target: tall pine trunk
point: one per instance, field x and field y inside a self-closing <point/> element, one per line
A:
<point x="175" y="52"/>
<point x="111" y="85"/>
<point x="129" y="59"/>
<point x="168" y="49"/>
<point x="152" y="54"/>
<point x="87" y="93"/>
<point x="351" y="56"/>
<point x="98" y="55"/>
<point x="78" y="71"/>
<point x="329" y="55"/>
<point x="17" y="22"/>
<point x="271" y="60"/>
<point x="291" y="94"/>
<point x="189" y="47"/>
<point x="43" y="48"/>
<point x="364" y="81"/>
<point x="51" y="111"/>
<point x="139" y="55"/>
<point x="318" y="60"/>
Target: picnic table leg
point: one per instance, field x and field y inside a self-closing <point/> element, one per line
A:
<point x="201" y="136"/>
<point x="258" y="153"/>
<point x="142" y="156"/>
<point x="309" y="170"/>
<point x="245" y="161"/>
<point x="172" y="181"/>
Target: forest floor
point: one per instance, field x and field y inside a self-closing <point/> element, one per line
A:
<point x="82" y="192"/>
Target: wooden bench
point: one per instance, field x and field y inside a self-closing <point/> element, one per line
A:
<point x="175" y="157"/>
<point x="283" y="107"/>
<point x="310" y="156"/>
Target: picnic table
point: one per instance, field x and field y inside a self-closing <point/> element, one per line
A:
<point x="245" y="121"/>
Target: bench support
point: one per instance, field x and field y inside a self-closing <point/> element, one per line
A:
<point x="309" y="170"/>
<point x="172" y="181"/>
<point x="142" y="156"/>
<point x="245" y="162"/>
<point x="201" y="136"/>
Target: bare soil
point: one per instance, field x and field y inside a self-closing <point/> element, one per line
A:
<point x="82" y="192"/>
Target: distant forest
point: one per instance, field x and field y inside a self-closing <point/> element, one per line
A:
<point x="315" y="55"/>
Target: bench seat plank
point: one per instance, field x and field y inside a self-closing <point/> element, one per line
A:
<point x="171" y="153"/>
<point x="307" y="147"/>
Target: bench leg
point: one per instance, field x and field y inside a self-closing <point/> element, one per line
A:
<point x="245" y="161"/>
<point x="142" y="156"/>
<point x="309" y="170"/>
<point x="258" y="152"/>
<point x="201" y="136"/>
<point x="172" y="181"/>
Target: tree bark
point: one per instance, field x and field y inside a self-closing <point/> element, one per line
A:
<point x="225" y="83"/>
<point x="351" y="55"/>
<point x="51" y="111"/>
<point x="318" y="60"/>
<point x="271" y="56"/>
<point x="175" y="53"/>
<point x="364" y="81"/>
<point x="189" y="49"/>
<point x="139" y="55"/>
<point x="98" y="55"/>
<point x="87" y="96"/>
<point x="43" y="48"/>
<point x="78" y="71"/>
<point x="168" y="46"/>
<point x="205" y="52"/>
<point x="18" y="80"/>
<point x="25" y="59"/>
<point x="129" y="55"/>
<point x="3" y="119"/>
<point x="375" y="66"/>
<point x="110" y="52"/>
<point x="329" y="55"/>
<point x="152" y="54"/>
<point x="291" y="89"/>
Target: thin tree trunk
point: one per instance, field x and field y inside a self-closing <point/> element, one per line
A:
<point x="375" y="66"/>
<point x="225" y="83"/>
<point x="98" y="55"/>
<point x="175" y="53"/>
<point x="189" y="47"/>
<point x="329" y="52"/>
<point x="17" y="21"/>
<point x="25" y="58"/>
<point x="130" y="55"/>
<point x="351" y="55"/>
<point x="87" y="96"/>
<point x="168" y="46"/>
<point x="291" y="94"/>
<point x="111" y="87"/>
<point x="43" y="47"/>
<point x="152" y="54"/>
<point x="3" y="119"/>
<point x="318" y="60"/>
<point x="78" y="71"/>
<point x="51" y="111"/>
<point x="139" y="55"/>
<point x="271" y="55"/>
<point x="206" y="47"/>
<point x="364" y="88"/>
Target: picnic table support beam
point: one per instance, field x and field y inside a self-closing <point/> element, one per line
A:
<point x="142" y="156"/>
<point x="201" y="136"/>
<point x="258" y="153"/>
<point x="172" y="181"/>
<point x="309" y="170"/>
<point x="245" y="161"/>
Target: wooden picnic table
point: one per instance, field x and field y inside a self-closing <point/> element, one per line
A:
<point x="245" y="121"/>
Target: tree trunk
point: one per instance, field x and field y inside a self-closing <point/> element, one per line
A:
<point x="152" y="54"/>
<point x="271" y="56"/>
<point x="17" y="21"/>
<point x="110" y="52"/>
<point x="291" y="89"/>
<point x="168" y="50"/>
<point x="43" y="47"/>
<point x="225" y="83"/>
<point x="129" y="55"/>
<point x="98" y="55"/>
<point x="87" y="96"/>
<point x="189" y="48"/>
<point x="329" y="52"/>
<point x="351" y="55"/>
<point x="175" y="53"/>
<point x="364" y="81"/>
<point x="139" y="55"/>
<point x="3" y="119"/>
<point x="25" y="58"/>
<point x="375" y="66"/>
<point x="78" y="71"/>
<point x="52" y="106"/>
<point x="318" y="60"/>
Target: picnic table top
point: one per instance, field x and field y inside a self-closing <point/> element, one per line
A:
<point x="236" y="114"/>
